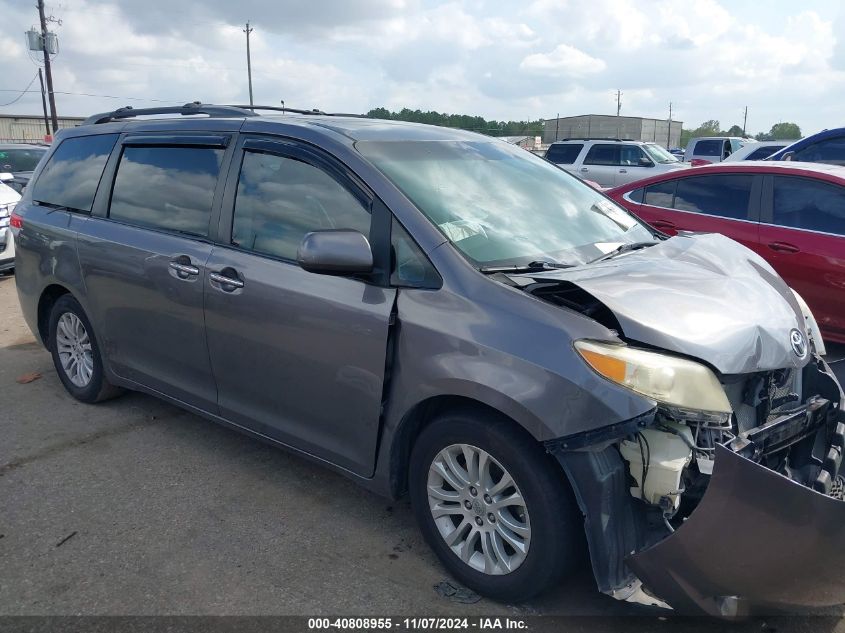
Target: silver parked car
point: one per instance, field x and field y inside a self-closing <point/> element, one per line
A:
<point x="434" y="312"/>
<point x="711" y="149"/>
<point x="612" y="162"/>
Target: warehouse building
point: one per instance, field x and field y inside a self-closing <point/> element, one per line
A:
<point x="607" y="126"/>
<point x="29" y="128"/>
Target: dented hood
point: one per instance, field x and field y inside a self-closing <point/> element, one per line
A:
<point x="701" y="295"/>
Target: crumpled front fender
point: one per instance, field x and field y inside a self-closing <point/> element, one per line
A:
<point x="757" y="542"/>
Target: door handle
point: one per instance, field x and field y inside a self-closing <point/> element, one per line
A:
<point x="584" y="169"/>
<point x="183" y="269"/>
<point x="228" y="283"/>
<point x="623" y="171"/>
<point x="663" y="224"/>
<point x="783" y="247"/>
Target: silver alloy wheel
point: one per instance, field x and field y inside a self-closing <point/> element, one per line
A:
<point x="478" y="509"/>
<point x="74" y="349"/>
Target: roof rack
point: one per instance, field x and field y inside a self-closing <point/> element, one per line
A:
<point x="196" y="107"/>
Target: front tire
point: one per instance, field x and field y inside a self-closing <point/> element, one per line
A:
<point x="76" y="355"/>
<point x="493" y="505"/>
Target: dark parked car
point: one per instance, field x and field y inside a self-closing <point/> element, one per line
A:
<point x="791" y="214"/>
<point x="432" y="311"/>
<point x="20" y="159"/>
<point x="827" y="146"/>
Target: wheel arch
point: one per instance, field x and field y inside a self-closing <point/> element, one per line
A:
<point x="46" y="301"/>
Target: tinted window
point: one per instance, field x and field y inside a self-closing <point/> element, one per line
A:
<point x="808" y="204"/>
<point x="636" y="195"/>
<point x="830" y="151"/>
<point x="724" y="195"/>
<point x="710" y="147"/>
<point x="602" y="155"/>
<point x="168" y="188"/>
<point x="409" y="265"/>
<point x="14" y="159"/>
<point x="73" y="172"/>
<point x="763" y="152"/>
<point x="630" y="155"/>
<point x="661" y="194"/>
<point x="564" y="154"/>
<point x="281" y="199"/>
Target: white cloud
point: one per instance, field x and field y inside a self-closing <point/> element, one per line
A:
<point x="563" y="61"/>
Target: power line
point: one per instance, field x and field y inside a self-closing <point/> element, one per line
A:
<point x="87" y="94"/>
<point x="22" y="92"/>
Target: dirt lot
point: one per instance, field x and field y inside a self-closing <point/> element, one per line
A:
<point x="135" y="507"/>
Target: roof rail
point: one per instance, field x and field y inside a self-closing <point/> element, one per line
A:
<point x="196" y="107"/>
<point x="128" y="112"/>
<point x="598" y="138"/>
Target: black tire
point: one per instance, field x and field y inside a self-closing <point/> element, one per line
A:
<point x="556" y="541"/>
<point x="98" y="388"/>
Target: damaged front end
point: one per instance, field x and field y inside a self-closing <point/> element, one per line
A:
<point x="724" y="514"/>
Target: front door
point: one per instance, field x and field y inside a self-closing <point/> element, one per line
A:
<point x="144" y="266"/>
<point x="803" y="237"/>
<point x="298" y="356"/>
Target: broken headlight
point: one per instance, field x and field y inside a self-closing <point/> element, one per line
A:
<point x="675" y="382"/>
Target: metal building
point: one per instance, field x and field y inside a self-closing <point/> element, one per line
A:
<point x="609" y="126"/>
<point x="29" y="128"/>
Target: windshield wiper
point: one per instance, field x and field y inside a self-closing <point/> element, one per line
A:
<point x="623" y="248"/>
<point x="530" y="267"/>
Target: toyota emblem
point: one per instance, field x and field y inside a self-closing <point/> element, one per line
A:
<point x="799" y="345"/>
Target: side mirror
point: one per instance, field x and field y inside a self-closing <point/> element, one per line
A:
<point x="645" y="162"/>
<point x="335" y="252"/>
<point x="6" y="177"/>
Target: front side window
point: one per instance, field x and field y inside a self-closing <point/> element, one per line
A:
<point x="501" y="205"/>
<point x="409" y="265"/>
<point x="20" y="159"/>
<point x="71" y="176"/>
<point x="281" y="199"/>
<point x="166" y="188"/>
<point x="831" y="151"/>
<point x="709" y="147"/>
<point x="764" y="152"/>
<point x="724" y="195"/>
<point x="603" y="154"/>
<point x="807" y="204"/>
<point x="630" y="155"/>
<point x="564" y="153"/>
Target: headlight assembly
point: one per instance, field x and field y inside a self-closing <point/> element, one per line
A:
<point x="676" y="382"/>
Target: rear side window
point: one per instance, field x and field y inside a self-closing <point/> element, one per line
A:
<point x="602" y="154"/>
<point x="831" y="151"/>
<point x="280" y="199"/>
<point x="723" y="195"/>
<point x="71" y="176"/>
<point x="807" y="204"/>
<point x="709" y="147"/>
<point x="166" y="188"/>
<point x="564" y="154"/>
<point x="660" y="194"/>
<point x="764" y="152"/>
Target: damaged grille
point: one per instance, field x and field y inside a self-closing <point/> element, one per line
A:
<point x="759" y="398"/>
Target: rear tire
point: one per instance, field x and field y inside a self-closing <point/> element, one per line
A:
<point x="76" y="354"/>
<point x="520" y="539"/>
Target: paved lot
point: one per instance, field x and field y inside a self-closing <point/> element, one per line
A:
<point x="135" y="507"/>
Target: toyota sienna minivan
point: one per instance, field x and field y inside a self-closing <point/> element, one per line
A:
<point x="435" y="312"/>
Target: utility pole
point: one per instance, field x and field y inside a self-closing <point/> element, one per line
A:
<point x="47" y="70"/>
<point x="669" y="132"/>
<point x="618" y="110"/>
<point x="557" y="124"/>
<point x="744" y="120"/>
<point x="248" y="30"/>
<point x="44" y="102"/>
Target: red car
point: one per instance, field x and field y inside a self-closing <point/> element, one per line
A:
<point x="790" y="213"/>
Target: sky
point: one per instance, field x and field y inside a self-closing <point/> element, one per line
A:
<point x="528" y="59"/>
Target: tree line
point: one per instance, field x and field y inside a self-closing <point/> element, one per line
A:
<point x="779" y="131"/>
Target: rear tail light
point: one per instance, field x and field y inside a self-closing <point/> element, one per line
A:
<point x="698" y="162"/>
<point x="16" y="221"/>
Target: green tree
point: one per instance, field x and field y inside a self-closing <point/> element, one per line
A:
<point x="709" y="128"/>
<point x="462" y="121"/>
<point x="785" y="131"/>
<point x="734" y="130"/>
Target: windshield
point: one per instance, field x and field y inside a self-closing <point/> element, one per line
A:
<point x="12" y="160"/>
<point x="659" y="155"/>
<point x="501" y="205"/>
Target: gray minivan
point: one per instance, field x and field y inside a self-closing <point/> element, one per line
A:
<point x="436" y="312"/>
